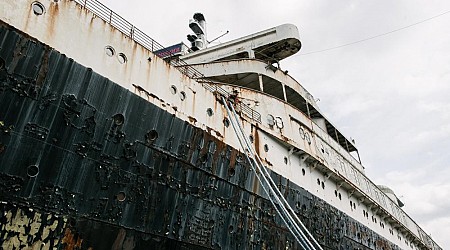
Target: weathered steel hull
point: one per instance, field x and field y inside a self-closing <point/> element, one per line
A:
<point x="86" y="164"/>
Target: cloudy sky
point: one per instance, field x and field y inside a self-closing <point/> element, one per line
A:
<point x="390" y="93"/>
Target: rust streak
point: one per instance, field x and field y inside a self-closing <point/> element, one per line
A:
<point x="71" y="241"/>
<point x="53" y="13"/>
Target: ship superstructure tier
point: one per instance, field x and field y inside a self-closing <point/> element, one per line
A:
<point x="105" y="143"/>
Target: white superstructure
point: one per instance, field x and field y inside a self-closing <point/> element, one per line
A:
<point x="287" y="129"/>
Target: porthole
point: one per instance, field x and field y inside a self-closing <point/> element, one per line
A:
<point x="270" y="120"/>
<point x="38" y="8"/>
<point x="182" y="95"/>
<point x="122" y="58"/>
<point x="266" y="148"/>
<point x="32" y="171"/>
<point x="173" y="89"/>
<point x="303" y="171"/>
<point x="210" y="112"/>
<point x="118" y="119"/>
<point x="302" y="133"/>
<point x="285" y="160"/>
<point x="71" y="222"/>
<point x="323" y="185"/>
<point x="308" y="139"/>
<point x="110" y="51"/>
<point x="250" y="137"/>
<point x="340" y="197"/>
<point x="279" y="122"/>
<point x="204" y="158"/>
<point x="226" y="122"/>
<point x="335" y="193"/>
<point x="318" y="181"/>
<point x="121" y="196"/>
<point x="231" y="172"/>
<point x="151" y="136"/>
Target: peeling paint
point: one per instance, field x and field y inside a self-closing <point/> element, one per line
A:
<point x="186" y="188"/>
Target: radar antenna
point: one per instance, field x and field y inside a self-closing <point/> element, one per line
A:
<point x="198" y="26"/>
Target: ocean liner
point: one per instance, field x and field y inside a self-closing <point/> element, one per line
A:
<point x="109" y="140"/>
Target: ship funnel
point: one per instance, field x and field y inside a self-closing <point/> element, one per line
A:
<point x="198" y="26"/>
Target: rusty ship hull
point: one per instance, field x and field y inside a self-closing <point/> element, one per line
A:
<point x="108" y="178"/>
<point x="86" y="163"/>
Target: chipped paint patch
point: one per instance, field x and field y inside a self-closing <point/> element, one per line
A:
<point x="26" y="228"/>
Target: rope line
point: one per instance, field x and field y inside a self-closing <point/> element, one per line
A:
<point x="376" y="36"/>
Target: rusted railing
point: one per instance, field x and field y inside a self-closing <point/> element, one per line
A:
<point x="118" y="22"/>
<point x="128" y="29"/>
<point x="240" y="106"/>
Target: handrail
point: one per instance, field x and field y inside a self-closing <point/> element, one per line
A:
<point x="118" y="22"/>
<point x="128" y="29"/>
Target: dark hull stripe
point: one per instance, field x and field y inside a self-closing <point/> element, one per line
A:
<point x="85" y="163"/>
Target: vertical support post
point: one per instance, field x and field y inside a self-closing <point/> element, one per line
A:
<point x="251" y="54"/>
<point x="261" y="85"/>
<point x="337" y="136"/>
<point x="359" y="158"/>
<point x="307" y="109"/>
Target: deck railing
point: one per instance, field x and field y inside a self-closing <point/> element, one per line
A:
<point x="128" y="29"/>
<point x="118" y="22"/>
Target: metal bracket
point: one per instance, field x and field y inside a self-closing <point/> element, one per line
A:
<point x="326" y="177"/>
<point x="351" y="193"/>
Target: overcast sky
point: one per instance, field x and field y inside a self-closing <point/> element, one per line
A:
<point x="391" y="94"/>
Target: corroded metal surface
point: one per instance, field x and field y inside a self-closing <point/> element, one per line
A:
<point x="86" y="164"/>
<point x="152" y="78"/>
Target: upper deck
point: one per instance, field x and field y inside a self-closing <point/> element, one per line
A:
<point x="253" y="62"/>
<point x="271" y="45"/>
<point x="145" y="72"/>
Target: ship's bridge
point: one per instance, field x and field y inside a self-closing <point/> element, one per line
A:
<point x="249" y="62"/>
